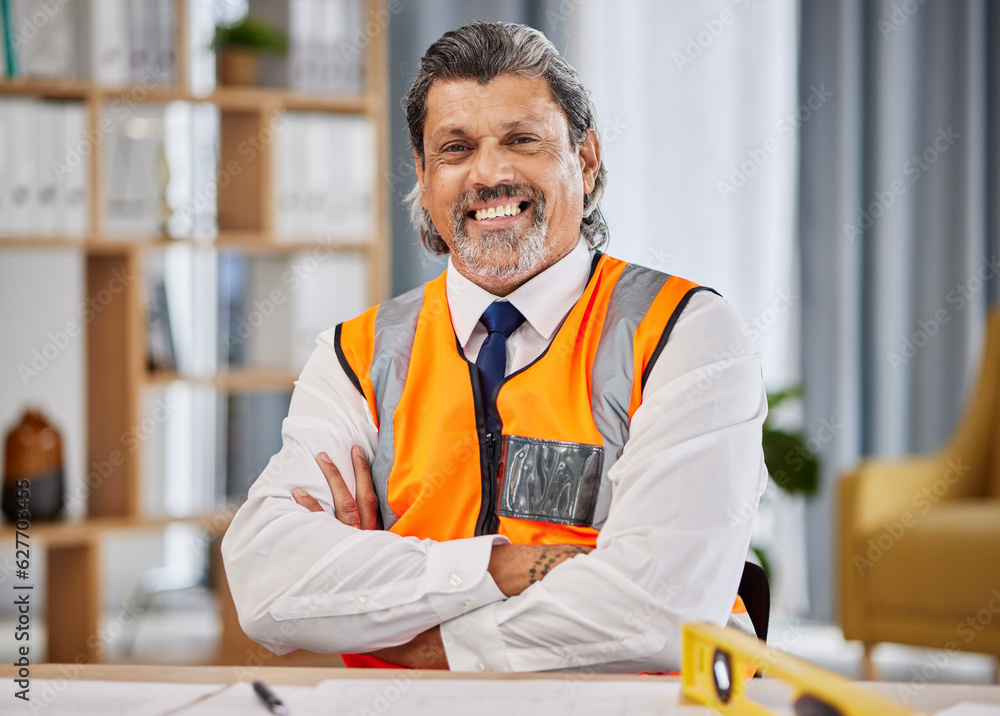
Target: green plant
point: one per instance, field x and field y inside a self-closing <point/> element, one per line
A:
<point x="250" y="34"/>
<point x="792" y="464"/>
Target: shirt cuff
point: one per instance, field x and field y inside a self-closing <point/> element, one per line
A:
<point x="473" y="643"/>
<point x="458" y="578"/>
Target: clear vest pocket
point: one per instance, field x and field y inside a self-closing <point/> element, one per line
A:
<point x="550" y="481"/>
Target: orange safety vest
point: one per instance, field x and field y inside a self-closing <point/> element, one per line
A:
<point x="438" y="473"/>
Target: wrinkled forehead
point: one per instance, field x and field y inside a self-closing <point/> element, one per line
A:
<point x="504" y="103"/>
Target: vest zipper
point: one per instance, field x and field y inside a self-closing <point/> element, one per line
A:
<point x="493" y="479"/>
<point x="487" y="521"/>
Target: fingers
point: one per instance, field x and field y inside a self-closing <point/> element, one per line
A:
<point x="365" y="490"/>
<point x="306" y="500"/>
<point x="362" y="511"/>
<point x="344" y="505"/>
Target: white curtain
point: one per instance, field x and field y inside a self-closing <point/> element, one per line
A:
<point x="899" y="229"/>
<point x="700" y="112"/>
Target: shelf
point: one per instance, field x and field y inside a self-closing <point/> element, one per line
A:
<point x="251" y="241"/>
<point x="233" y="241"/>
<point x="242" y="380"/>
<point x="69" y="534"/>
<point x="113" y="245"/>
<point x="45" y="87"/>
<point x="254" y="98"/>
<point x="118" y="384"/>
<point x="237" y="98"/>
<point x="43" y="242"/>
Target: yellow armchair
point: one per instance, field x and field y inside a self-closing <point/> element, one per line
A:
<point x="919" y="538"/>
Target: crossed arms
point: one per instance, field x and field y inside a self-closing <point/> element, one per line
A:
<point x="672" y="548"/>
<point x="513" y="567"/>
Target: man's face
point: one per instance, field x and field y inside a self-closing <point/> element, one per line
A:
<point x="504" y="149"/>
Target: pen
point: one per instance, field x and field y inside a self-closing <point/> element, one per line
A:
<point x="273" y="703"/>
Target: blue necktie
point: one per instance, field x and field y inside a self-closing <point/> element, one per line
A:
<point x="500" y="319"/>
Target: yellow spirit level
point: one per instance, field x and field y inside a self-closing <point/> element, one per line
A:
<point x="716" y="659"/>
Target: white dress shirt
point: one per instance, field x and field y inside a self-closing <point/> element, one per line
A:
<point x="672" y="550"/>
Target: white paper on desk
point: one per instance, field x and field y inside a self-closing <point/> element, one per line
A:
<point x="409" y="696"/>
<point x="241" y="699"/>
<point x="967" y="708"/>
<point x="122" y="698"/>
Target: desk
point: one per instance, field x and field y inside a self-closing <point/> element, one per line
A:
<point x="929" y="697"/>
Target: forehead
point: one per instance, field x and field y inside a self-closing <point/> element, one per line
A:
<point x="455" y="106"/>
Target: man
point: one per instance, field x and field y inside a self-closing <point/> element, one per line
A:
<point x="563" y="449"/>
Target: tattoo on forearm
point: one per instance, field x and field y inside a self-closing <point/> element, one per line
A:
<point x="549" y="557"/>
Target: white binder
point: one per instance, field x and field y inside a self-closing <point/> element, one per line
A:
<point x="21" y="140"/>
<point x="76" y="181"/>
<point x="48" y="145"/>
<point x="110" y="50"/>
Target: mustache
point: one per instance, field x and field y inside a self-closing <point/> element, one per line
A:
<point x="461" y="207"/>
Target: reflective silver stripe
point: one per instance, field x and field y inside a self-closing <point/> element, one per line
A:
<point x="395" y="328"/>
<point x="550" y="480"/>
<point x="613" y="374"/>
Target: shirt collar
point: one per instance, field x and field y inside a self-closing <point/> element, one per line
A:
<point x="544" y="300"/>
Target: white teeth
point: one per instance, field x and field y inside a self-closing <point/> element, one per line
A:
<point x="498" y="211"/>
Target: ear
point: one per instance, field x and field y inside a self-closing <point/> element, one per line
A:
<point x="418" y="164"/>
<point x="589" y="153"/>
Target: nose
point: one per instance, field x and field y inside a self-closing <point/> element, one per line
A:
<point x="490" y="166"/>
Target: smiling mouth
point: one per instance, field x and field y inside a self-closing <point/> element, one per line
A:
<point x="498" y="212"/>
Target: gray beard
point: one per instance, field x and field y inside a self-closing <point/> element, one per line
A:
<point x="501" y="253"/>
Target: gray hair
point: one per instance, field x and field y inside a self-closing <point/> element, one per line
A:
<point x="481" y="51"/>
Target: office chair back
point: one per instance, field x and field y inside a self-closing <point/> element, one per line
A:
<point x="756" y="594"/>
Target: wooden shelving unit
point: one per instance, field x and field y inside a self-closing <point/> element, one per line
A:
<point x="116" y="374"/>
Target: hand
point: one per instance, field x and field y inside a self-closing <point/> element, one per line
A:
<point x="424" y="651"/>
<point x="515" y="567"/>
<point x="361" y="512"/>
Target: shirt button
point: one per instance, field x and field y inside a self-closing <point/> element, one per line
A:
<point x="467" y="603"/>
<point x="361" y="601"/>
<point x="456" y="580"/>
<point x="482" y="666"/>
<point x="567" y="656"/>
